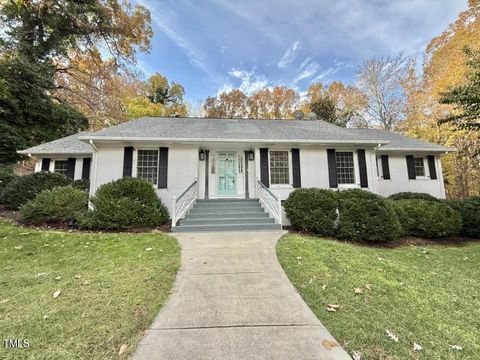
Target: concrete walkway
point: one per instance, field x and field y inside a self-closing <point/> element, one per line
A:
<point x="232" y="300"/>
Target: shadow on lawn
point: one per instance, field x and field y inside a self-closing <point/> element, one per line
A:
<point x="456" y="241"/>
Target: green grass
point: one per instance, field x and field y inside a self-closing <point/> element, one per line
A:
<point x="111" y="289"/>
<point x="424" y="294"/>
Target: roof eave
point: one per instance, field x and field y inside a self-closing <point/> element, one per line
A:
<point x="413" y="149"/>
<point x="86" y="139"/>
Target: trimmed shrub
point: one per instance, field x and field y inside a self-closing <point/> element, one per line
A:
<point x="83" y="185"/>
<point x="56" y="205"/>
<point x="124" y="203"/>
<point x="469" y="210"/>
<point x="366" y="217"/>
<point x="425" y="218"/>
<point x="6" y="177"/>
<point x="413" y="195"/>
<point x="312" y="210"/>
<point x="24" y="188"/>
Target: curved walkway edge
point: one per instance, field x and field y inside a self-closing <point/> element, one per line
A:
<point x="232" y="300"/>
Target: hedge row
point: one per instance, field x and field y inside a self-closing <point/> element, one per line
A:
<point x="362" y="216"/>
<point x="355" y="215"/>
<point x="45" y="197"/>
<point x="18" y="190"/>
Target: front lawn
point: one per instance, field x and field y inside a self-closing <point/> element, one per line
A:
<point x="111" y="287"/>
<point x="428" y="295"/>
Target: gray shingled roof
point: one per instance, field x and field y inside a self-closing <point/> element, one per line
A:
<point x="238" y="130"/>
<point x="67" y="145"/>
<point x="234" y="130"/>
<point x="399" y="142"/>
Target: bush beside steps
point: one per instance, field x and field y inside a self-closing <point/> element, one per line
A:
<point x="125" y="203"/>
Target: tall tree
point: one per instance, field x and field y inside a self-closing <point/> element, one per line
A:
<point x="38" y="41"/>
<point x="465" y="97"/>
<point x="380" y="79"/>
<point x="339" y="104"/>
<point x="445" y="67"/>
<point x="232" y="104"/>
<point x="157" y="97"/>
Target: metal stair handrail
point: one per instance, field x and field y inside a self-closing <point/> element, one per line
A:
<point x="270" y="201"/>
<point x="184" y="202"/>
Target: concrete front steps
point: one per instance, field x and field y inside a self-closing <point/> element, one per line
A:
<point x="226" y="215"/>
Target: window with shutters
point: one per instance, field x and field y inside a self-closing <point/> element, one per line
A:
<point x="147" y="165"/>
<point x="419" y="166"/>
<point x="60" y="167"/>
<point x="345" y="167"/>
<point x="279" y="168"/>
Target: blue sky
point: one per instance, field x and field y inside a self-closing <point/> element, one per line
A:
<point x="213" y="45"/>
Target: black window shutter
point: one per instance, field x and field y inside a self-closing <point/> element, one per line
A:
<point x="264" y="177"/>
<point x="332" y="168"/>
<point x="163" y="168"/>
<point x="411" y="167"/>
<point x="431" y="167"/>
<point x="362" y="166"/>
<point x="45" y="164"/>
<point x="385" y="167"/>
<point x="297" y="180"/>
<point x="127" y="161"/>
<point x="71" y="168"/>
<point x="86" y="168"/>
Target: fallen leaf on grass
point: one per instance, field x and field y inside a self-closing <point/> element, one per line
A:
<point x="56" y="294"/>
<point x="122" y="350"/>
<point x="40" y="274"/>
<point x="78" y="276"/>
<point x="329" y="344"/>
<point x="356" y="355"/>
<point x="45" y="317"/>
<point x="391" y="335"/>
<point x="58" y="278"/>
<point x="417" y="347"/>
<point x="4" y="301"/>
<point x="18" y="247"/>
<point x="298" y="260"/>
<point x="331" y="309"/>
<point x="456" y="347"/>
<point x="148" y="249"/>
<point x="358" y="291"/>
<point x="333" y="306"/>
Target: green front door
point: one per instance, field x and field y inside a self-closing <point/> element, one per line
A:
<point x="227" y="174"/>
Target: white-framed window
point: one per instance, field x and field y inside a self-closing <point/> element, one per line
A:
<point x="419" y="165"/>
<point x="279" y="167"/>
<point x="345" y="167"/>
<point x="147" y="165"/>
<point x="60" y="167"/>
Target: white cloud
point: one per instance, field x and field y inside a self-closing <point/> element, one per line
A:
<point x="250" y="81"/>
<point x="308" y="70"/>
<point x="289" y="55"/>
<point x="247" y="81"/>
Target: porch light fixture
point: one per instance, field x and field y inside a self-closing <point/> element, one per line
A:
<point x="251" y="156"/>
<point x="201" y="155"/>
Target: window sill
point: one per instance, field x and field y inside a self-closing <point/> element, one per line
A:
<point x="279" y="187"/>
<point x="348" y="186"/>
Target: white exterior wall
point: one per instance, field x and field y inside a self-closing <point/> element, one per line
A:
<point x="107" y="166"/>
<point x="399" y="181"/>
<point x="182" y="171"/>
